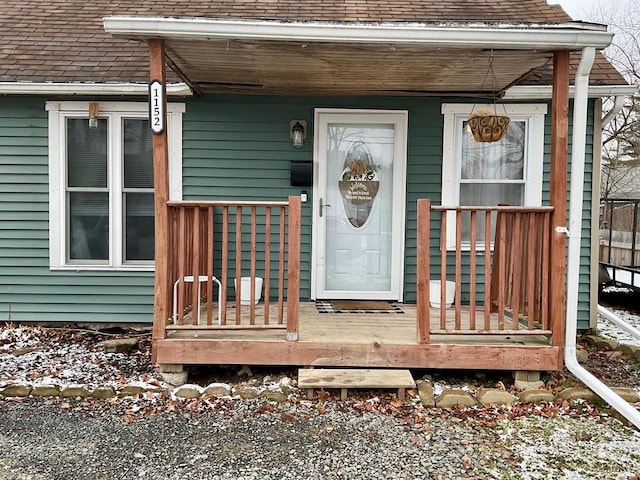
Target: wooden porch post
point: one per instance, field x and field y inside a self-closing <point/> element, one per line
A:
<point x="293" y="266"/>
<point x="161" y="197"/>
<point x="423" y="320"/>
<point x="558" y="194"/>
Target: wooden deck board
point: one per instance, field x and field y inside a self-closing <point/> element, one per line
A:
<point x="354" y="378"/>
<point x="376" y="340"/>
<point x="344" y="378"/>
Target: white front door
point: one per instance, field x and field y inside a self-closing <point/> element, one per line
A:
<point x="359" y="204"/>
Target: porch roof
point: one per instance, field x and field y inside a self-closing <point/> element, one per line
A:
<point x="61" y="47"/>
<point x="275" y="57"/>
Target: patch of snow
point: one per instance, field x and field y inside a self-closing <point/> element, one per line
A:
<point x="571" y="448"/>
<point x="609" y="330"/>
<point x="27" y="356"/>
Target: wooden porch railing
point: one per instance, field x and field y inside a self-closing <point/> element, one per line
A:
<point x="214" y="244"/>
<point x="506" y="279"/>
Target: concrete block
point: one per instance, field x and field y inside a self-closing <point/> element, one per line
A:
<point x="536" y="395"/>
<point x="582" y="355"/>
<point x="606" y="344"/>
<point x="494" y="396"/>
<point x="176" y="379"/>
<point x="46" y="391"/>
<point x="130" y="391"/>
<point x="187" y="391"/>
<point x="218" y="390"/>
<point x="527" y="380"/>
<point x="274" y="396"/>
<point x="103" y="393"/>
<point x="630" y="351"/>
<point x="120" y="345"/>
<point x="16" y="391"/>
<point x="455" y="398"/>
<point x="425" y="391"/>
<point x="628" y="394"/>
<point x="247" y="393"/>
<point x="171" y="368"/>
<point x="73" y="392"/>
<point x="574" y="393"/>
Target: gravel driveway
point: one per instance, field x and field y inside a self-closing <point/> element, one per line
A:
<point x="55" y="440"/>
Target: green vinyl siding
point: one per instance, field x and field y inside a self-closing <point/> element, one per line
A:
<point x="29" y="290"/>
<point x="234" y="147"/>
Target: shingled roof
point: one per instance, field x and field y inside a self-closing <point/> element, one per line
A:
<point x="64" y="41"/>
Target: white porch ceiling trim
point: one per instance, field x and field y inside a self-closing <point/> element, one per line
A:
<point x="543" y="92"/>
<point x="571" y="35"/>
<point x="111" y="89"/>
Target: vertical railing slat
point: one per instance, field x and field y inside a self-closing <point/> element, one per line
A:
<point x="533" y="233"/>
<point x="472" y="270"/>
<point x="182" y="253"/>
<point x="281" y="243"/>
<point x="267" y="263"/>
<point x="488" y="280"/>
<point x="516" y="262"/>
<point x="252" y="288"/>
<point x="458" y="277"/>
<point x="210" y="257"/>
<point x="238" y="280"/>
<point x="443" y="268"/>
<point x="225" y="262"/>
<point x="195" y="266"/>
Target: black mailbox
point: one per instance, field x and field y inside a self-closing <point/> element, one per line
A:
<point x="301" y="174"/>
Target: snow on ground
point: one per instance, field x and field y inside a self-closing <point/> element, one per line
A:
<point x="41" y="356"/>
<point x="570" y="449"/>
<point x="609" y="330"/>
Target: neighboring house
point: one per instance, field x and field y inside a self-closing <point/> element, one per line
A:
<point x="376" y="95"/>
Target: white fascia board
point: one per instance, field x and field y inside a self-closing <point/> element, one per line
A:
<point x="544" y="92"/>
<point x="570" y="36"/>
<point x="50" y="88"/>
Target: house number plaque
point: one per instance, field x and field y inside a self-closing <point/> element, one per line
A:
<point x="156" y="107"/>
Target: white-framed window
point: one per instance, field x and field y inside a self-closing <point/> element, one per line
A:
<point x="488" y="174"/>
<point x="101" y="208"/>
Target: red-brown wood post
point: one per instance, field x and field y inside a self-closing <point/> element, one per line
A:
<point x="423" y="260"/>
<point x="157" y="71"/>
<point x="558" y="194"/>
<point x="293" y="267"/>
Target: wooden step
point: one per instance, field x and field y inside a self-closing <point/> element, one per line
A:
<point x="345" y="378"/>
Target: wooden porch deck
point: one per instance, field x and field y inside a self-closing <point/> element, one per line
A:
<point x="350" y="339"/>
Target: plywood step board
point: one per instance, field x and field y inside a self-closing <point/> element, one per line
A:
<point x="345" y="378"/>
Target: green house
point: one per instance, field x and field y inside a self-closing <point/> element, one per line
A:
<point x="359" y="165"/>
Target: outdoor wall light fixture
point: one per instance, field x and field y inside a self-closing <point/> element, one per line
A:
<point x="93" y="115"/>
<point x="297" y="133"/>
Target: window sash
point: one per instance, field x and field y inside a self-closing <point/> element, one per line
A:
<point x="60" y="191"/>
<point x="525" y="188"/>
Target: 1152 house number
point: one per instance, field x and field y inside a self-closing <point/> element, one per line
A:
<point x="156" y="106"/>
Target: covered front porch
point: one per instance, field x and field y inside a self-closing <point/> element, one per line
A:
<point x="509" y="266"/>
<point x="504" y="321"/>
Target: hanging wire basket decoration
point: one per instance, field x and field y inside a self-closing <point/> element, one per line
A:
<point x="486" y="124"/>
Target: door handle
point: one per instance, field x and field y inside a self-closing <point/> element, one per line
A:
<point x="321" y="206"/>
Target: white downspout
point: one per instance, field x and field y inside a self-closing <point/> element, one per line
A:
<point x="617" y="106"/>
<point x="575" y="235"/>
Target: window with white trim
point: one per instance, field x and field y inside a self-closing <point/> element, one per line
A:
<point x="488" y="174"/>
<point x="101" y="184"/>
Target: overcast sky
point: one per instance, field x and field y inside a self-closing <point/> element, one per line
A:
<point x="580" y="9"/>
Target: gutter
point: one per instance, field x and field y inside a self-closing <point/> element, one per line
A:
<point x="544" y="92"/>
<point x="566" y="36"/>
<point x="575" y="236"/>
<point x="106" y="89"/>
